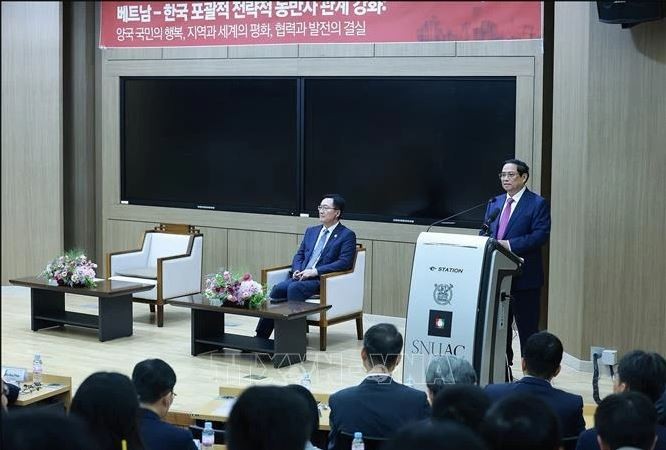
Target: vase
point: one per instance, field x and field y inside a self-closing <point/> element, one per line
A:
<point x="229" y="304"/>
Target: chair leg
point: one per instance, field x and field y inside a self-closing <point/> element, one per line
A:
<point x="322" y="338"/>
<point x="359" y="327"/>
<point x="160" y="315"/>
<point x="152" y="308"/>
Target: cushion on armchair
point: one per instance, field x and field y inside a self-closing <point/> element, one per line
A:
<point x="138" y="272"/>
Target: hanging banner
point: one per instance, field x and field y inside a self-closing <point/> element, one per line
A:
<point x="204" y="24"/>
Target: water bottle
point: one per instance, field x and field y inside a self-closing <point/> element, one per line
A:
<point x="207" y="437"/>
<point x="37" y="370"/>
<point x="357" y="443"/>
<point x="306" y="382"/>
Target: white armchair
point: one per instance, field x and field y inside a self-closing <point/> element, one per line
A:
<point x="170" y="258"/>
<point x="342" y="290"/>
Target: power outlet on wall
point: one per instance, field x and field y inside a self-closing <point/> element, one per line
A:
<point x="596" y="351"/>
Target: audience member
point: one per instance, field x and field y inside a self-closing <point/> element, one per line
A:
<point x="32" y="429"/>
<point x="661" y="409"/>
<point x="269" y="418"/>
<point x="462" y="403"/>
<point x="314" y="411"/>
<point x="637" y="371"/>
<point x="108" y="403"/>
<point x="379" y="405"/>
<point x="626" y="420"/>
<point x="521" y="422"/>
<point x="10" y="393"/>
<point x="440" y="436"/>
<point x="448" y="369"/>
<point x="154" y="381"/>
<point x="541" y="360"/>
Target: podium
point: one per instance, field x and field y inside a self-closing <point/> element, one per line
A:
<point x="458" y="305"/>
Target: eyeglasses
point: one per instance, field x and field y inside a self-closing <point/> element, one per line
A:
<point x="174" y="394"/>
<point x="510" y="175"/>
<point x="29" y="388"/>
<point x="325" y="208"/>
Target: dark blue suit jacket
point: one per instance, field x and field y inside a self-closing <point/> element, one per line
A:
<point x="159" y="435"/>
<point x="527" y="232"/>
<point x="377" y="407"/>
<point x="588" y="439"/>
<point x="337" y="255"/>
<point x="568" y="407"/>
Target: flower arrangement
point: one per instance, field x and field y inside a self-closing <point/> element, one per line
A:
<point x="71" y="269"/>
<point x="235" y="290"/>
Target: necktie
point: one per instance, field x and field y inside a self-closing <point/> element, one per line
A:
<point x="504" y="220"/>
<point x="316" y="253"/>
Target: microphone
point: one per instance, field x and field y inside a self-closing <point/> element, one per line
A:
<point x="485" y="228"/>
<point x="460" y="213"/>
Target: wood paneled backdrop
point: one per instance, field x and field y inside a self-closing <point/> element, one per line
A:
<point x="607" y="266"/>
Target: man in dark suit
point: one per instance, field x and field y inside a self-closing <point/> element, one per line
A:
<point x="379" y="406"/>
<point x="542" y="356"/>
<point x="154" y="381"/>
<point x="638" y="371"/>
<point x="521" y="224"/>
<point x="329" y="247"/>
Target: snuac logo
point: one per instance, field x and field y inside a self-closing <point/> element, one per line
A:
<point x="443" y="293"/>
<point x="446" y="269"/>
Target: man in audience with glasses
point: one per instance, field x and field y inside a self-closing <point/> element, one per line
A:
<point x="329" y="247"/>
<point x="520" y="221"/>
<point x="154" y="381"/>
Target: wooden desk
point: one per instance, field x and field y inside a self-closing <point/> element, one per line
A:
<point x="218" y="409"/>
<point x="47" y="306"/>
<point x="289" y="346"/>
<point x="54" y="387"/>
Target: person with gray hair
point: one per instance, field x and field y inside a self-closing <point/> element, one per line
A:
<point x="448" y="369"/>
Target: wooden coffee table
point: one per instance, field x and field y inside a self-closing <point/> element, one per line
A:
<point x="289" y="346"/>
<point x="47" y="306"/>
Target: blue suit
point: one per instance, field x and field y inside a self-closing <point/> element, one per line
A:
<point x="568" y="407"/>
<point x="159" y="435"/>
<point x="527" y="231"/>
<point x="377" y="407"/>
<point x="588" y="439"/>
<point x="337" y="255"/>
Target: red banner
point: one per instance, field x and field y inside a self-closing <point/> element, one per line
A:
<point x="196" y="24"/>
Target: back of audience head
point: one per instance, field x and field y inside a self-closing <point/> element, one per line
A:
<point x="108" y="403"/>
<point x="154" y="381"/>
<point x="521" y="422"/>
<point x="542" y="355"/>
<point x="448" y="369"/>
<point x="269" y="417"/>
<point x="39" y="430"/>
<point x="626" y="420"/>
<point x="440" y="436"/>
<point x="382" y="346"/>
<point x="644" y="372"/>
<point x="306" y="395"/>
<point x="466" y="404"/>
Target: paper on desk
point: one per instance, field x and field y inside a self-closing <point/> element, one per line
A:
<point x="225" y="408"/>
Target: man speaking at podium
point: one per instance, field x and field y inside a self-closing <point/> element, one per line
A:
<point x="520" y="221"/>
<point x="329" y="247"/>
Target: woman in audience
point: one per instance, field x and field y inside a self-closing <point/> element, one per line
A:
<point x="108" y="403"/>
<point x="314" y="411"/>
<point x="32" y="429"/>
<point x="269" y="418"/>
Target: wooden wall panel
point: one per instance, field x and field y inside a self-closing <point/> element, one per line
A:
<point x="391" y="274"/>
<point x="607" y="265"/>
<point x="251" y="251"/>
<point x="32" y="218"/>
<point x="216" y="249"/>
<point x="255" y="240"/>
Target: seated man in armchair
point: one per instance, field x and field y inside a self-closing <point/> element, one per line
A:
<point x="329" y="247"/>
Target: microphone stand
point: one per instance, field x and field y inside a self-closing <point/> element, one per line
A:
<point x="460" y="213"/>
